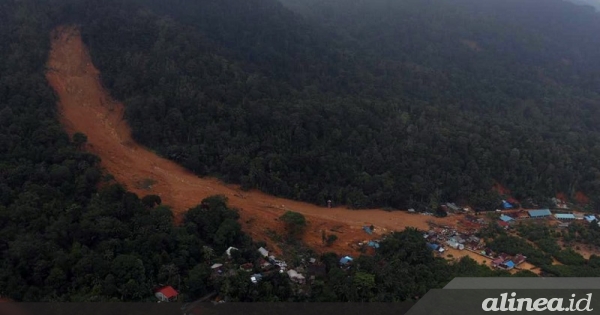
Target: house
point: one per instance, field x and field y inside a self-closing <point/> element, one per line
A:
<point x="228" y="251"/>
<point x="590" y="218"/>
<point x="345" y="260"/>
<point x="496" y="262"/>
<point x="519" y="259"/>
<point x="506" y="218"/>
<point x="166" y="294"/>
<point x="255" y="278"/>
<point x="506" y="205"/>
<point x="295" y="276"/>
<point x="264" y="264"/>
<point x="503" y="224"/>
<point x="247" y="267"/>
<point x="453" y="207"/>
<point x="263" y="252"/>
<point x="542" y="213"/>
<point x="454" y="244"/>
<point x="539" y="213"/>
<point x="579" y="216"/>
<point x="564" y="216"/>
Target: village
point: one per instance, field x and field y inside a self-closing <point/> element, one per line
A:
<point x="446" y="241"/>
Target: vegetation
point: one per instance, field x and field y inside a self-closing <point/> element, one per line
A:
<point x="422" y="113"/>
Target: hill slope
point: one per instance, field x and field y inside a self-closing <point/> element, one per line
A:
<point x="412" y="104"/>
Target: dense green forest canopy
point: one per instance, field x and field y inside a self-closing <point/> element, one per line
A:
<point x="396" y="103"/>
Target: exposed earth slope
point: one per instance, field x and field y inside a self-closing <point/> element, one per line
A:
<point x="86" y="107"/>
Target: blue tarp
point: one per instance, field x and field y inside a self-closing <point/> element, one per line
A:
<point x="345" y="260"/>
<point x="590" y="218"/>
<point x="433" y="246"/>
<point x="510" y="264"/>
<point x="506" y="205"/>
<point x="367" y="229"/>
<point x="506" y="218"/>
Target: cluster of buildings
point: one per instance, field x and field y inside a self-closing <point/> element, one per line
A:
<point x="440" y="237"/>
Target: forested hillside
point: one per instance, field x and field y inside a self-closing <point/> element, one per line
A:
<point x="68" y="233"/>
<point x="380" y="103"/>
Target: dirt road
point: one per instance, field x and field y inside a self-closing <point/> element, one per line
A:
<point x="85" y="106"/>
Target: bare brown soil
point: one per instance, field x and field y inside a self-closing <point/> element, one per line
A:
<point x="85" y="106"/>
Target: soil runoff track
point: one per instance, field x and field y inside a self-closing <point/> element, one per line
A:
<point x="85" y="106"/>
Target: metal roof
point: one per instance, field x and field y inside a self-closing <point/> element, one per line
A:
<point x="539" y="213"/>
<point x="564" y="216"/>
<point x="505" y="218"/>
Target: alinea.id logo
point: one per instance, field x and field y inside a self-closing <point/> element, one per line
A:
<point x="513" y="304"/>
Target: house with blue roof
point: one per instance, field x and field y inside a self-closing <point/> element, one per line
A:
<point x="506" y="205"/>
<point x="590" y="218"/>
<point x="506" y="218"/>
<point x="542" y="213"/>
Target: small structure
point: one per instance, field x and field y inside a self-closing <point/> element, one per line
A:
<point x="373" y="244"/>
<point x="505" y="218"/>
<point x="263" y="252"/>
<point x="312" y="260"/>
<point x="542" y="213"/>
<point x="368" y="230"/>
<point x="519" y="259"/>
<point x="264" y="264"/>
<point x="228" y="251"/>
<point x="564" y="216"/>
<point x="328" y="203"/>
<point x="255" y="278"/>
<point x="590" y="218"/>
<point x="295" y="276"/>
<point x="454" y="244"/>
<point x="506" y="205"/>
<point x="247" y="267"/>
<point x="433" y="246"/>
<point x="166" y="294"/>
<point x="496" y="262"/>
<point x="453" y="207"/>
<point x="503" y="224"/>
<point x="216" y="268"/>
<point x="508" y="265"/>
<point x="345" y="260"/>
<point x="411" y="210"/>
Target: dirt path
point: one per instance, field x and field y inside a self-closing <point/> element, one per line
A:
<point x="85" y="106"/>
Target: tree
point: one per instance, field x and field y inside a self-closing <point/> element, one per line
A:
<point x="331" y="238"/>
<point x="79" y="139"/>
<point x="294" y="222"/>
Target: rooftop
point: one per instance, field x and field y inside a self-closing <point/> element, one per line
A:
<point x="539" y="213"/>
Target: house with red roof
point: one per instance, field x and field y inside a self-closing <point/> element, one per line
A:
<point x="166" y="294"/>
